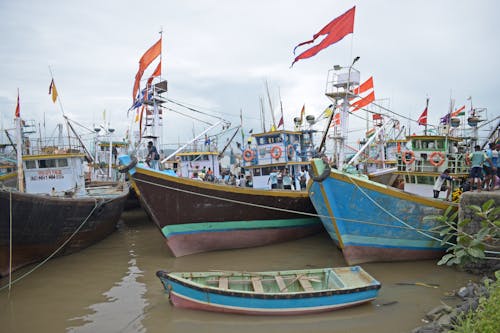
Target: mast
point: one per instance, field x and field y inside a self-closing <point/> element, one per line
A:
<point x="20" y="172"/>
<point x="270" y="105"/>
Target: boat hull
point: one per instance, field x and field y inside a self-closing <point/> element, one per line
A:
<point x="186" y="294"/>
<point x="41" y="224"/>
<point x="374" y="222"/>
<point x="196" y="216"/>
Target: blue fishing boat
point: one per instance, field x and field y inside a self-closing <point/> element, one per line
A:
<point x="289" y="292"/>
<point x="370" y="221"/>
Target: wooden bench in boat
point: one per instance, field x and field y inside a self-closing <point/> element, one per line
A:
<point x="257" y="284"/>
<point x="281" y="283"/>
<point x="305" y="283"/>
<point x="223" y="283"/>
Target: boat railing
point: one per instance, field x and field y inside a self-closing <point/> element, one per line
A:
<point x="421" y="163"/>
<point x="52" y="146"/>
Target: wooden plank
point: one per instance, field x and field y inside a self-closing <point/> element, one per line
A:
<point x="223" y="283"/>
<point x="257" y="284"/>
<point x="281" y="283"/>
<point x="304" y="282"/>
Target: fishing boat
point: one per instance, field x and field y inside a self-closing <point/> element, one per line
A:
<point x="198" y="216"/>
<point x="52" y="211"/>
<point x="370" y="221"/>
<point x="292" y="292"/>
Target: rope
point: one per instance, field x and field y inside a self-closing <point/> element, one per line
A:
<point x="97" y="204"/>
<point x="10" y="240"/>
<point x="392" y="215"/>
<point x="272" y="208"/>
<point x="424" y="233"/>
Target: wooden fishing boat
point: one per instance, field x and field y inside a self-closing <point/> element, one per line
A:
<point x="52" y="211"/>
<point x="196" y="216"/>
<point x="289" y="292"/>
<point x="373" y="222"/>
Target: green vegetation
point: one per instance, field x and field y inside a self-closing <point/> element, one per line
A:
<point x="468" y="247"/>
<point x="471" y="248"/>
<point x="486" y="319"/>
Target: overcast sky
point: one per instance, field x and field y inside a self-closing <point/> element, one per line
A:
<point x="218" y="54"/>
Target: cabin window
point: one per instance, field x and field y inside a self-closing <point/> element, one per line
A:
<point x="31" y="164"/>
<point x="62" y="162"/>
<point x="257" y="172"/>
<point x="266" y="171"/>
<point x="46" y="164"/>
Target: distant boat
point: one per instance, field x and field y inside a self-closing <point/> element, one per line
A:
<point x="291" y="292"/>
<point x="197" y="216"/>
<point x="373" y="222"/>
<point x="56" y="213"/>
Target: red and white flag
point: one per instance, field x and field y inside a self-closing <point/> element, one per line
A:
<point x="365" y="95"/>
<point x="422" y="120"/>
<point x="18" y="107"/>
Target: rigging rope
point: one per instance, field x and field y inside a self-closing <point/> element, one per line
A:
<point x="96" y="205"/>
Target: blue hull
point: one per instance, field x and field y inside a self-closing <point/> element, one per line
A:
<point x="374" y="222"/>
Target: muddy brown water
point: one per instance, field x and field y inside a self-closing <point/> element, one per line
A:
<point x="112" y="287"/>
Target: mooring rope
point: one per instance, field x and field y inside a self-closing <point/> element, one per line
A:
<point x="269" y="207"/>
<point x="96" y="205"/>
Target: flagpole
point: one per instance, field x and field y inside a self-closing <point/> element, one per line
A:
<point x="427" y="115"/>
<point x="19" y="138"/>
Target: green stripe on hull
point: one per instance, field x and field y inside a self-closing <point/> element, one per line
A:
<point x="238" y="225"/>
<point x="390" y="242"/>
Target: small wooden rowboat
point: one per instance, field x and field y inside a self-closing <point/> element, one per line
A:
<point x="271" y="293"/>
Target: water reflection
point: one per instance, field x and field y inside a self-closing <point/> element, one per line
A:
<point x="124" y="309"/>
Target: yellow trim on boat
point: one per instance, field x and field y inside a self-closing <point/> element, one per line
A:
<point x="51" y="156"/>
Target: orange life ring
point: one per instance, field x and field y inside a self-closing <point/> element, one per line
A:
<point x="290" y="150"/>
<point x="411" y="159"/>
<point x="440" y="161"/>
<point x="248" y="155"/>
<point x="276" y="152"/>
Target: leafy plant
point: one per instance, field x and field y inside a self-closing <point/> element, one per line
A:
<point x="464" y="247"/>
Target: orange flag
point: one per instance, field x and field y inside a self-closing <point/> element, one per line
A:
<point x="364" y="101"/>
<point x="365" y="86"/>
<point x="147" y="58"/>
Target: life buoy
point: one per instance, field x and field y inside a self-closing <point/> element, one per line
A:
<point x="276" y="152"/>
<point x="248" y="155"/>
<point x="405" y="158"/>
<point x="290" y="150"/>
<point x="438" y="162"/>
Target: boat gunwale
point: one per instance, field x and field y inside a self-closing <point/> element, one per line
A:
<point x="217" y="187"/>
<point x="163" y="275"/>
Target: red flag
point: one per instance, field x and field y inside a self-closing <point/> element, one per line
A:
<point x="367" y="85"/>
<point x="422" y="120"/>
<point x="151" y="54"/>
<point x="364" y="101"/>
<point x="281" y="122"/>
<point x="18" y="106"/>
<point x="334" y="31"/>
<point x="377" y="116"/>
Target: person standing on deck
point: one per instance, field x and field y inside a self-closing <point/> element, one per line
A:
<point x="489" y="168"/>
<point x="287" y="180"/>
<point x="273" y="179"/>
<point x="153" y="157"/>
<point x="477" y="159"/>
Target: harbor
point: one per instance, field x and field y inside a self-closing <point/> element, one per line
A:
<point x="112" y="287"/>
